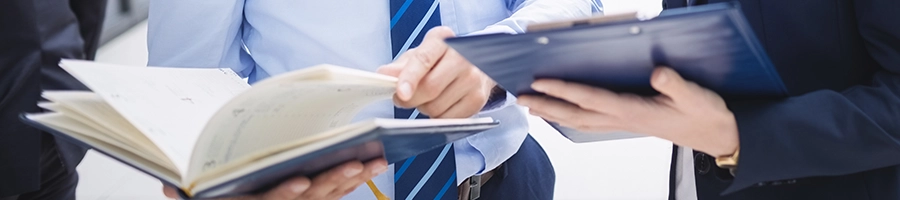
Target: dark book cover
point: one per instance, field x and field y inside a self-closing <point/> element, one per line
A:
<point x="394" y="144"/>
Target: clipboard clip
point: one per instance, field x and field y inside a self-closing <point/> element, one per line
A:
<point x="600" y="19"/>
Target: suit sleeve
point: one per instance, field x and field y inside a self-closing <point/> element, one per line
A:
<point x="90" y="15"/>
<point x="20" y="60"/>
<point x="829" y="133"/>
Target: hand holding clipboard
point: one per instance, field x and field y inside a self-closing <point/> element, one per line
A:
<point x="711" y="45"/>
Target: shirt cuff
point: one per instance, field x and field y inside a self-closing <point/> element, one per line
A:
<point x="485" y="151"/>
<point x="493" y="29"/>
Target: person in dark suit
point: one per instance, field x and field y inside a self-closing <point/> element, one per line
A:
<point x="836" y="137"/>
<point x="34" y="35"/>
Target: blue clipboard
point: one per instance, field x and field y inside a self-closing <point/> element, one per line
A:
<point x="712" y="45"/>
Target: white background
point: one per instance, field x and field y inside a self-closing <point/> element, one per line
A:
<point x="624" y="169"/>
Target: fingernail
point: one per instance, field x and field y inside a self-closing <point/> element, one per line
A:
<point x="662" y="77"/>
<point x="539" y="87"/>
<point x="352" y="172"/>
<point x="297" y="188"/>
<point x="523" y="102"/>
<point x="379" y="169"/>
<point x="405" y="90"/>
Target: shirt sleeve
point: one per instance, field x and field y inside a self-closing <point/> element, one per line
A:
<point x="198" y="34"/>
<point x="826" y="132"/>
<point x="525" y="12"/>
<point x="485" y="151"/>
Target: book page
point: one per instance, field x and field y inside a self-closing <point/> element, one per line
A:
<point x="168" y="105"/>
<point x="91" y="137"/>
<point x="285" y="109"/>
<point x="242" y="167"/>
<point x="74" y="126"/>
<point x="89" y="109"/>
<point x="331" y="137"/>
<point x="275" y="116"/>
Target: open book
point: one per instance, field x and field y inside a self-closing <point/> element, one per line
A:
<point x="209" y="133"/>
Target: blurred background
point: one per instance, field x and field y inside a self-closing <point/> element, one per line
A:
<point x="623" y="169"/>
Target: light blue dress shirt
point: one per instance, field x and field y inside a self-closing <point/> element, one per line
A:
<point x="260" y="38"/>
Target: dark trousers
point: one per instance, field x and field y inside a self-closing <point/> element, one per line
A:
<point x="528" y="174"/>
<point x="57" y="182"/>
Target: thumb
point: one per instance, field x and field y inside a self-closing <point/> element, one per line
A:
<point x="669" y="83"/>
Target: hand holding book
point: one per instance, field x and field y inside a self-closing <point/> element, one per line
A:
<point x="209" y="134"/>
<point x="332" y="184"/>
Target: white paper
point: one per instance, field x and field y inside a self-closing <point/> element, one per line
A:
<point x="267" y="117"/>
<point x="169" y="105"/>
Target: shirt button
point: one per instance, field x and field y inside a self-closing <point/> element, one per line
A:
<point x="702" y="163"/>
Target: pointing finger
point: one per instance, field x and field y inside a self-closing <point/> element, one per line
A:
<point x="422" y="59"/>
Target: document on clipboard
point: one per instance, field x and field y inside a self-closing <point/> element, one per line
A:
<point x="586" y="21"/>
<point x="712" y="45"/>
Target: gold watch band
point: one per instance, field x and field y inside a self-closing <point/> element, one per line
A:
<point x="729" y="162"/>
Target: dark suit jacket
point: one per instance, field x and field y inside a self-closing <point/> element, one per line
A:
<point x="838" y="136"/>
<point x="20" y="59"/>
<point x="34" y="35"/>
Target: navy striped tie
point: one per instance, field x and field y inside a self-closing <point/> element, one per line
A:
<point x="430" y="175"/>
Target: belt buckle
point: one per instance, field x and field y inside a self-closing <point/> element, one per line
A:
<point x="475" y="187"/>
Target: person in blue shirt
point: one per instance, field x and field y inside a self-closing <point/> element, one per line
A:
<point x="259" y="39"/>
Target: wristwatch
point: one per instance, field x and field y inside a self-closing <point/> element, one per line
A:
<point x="729" y="162"/>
